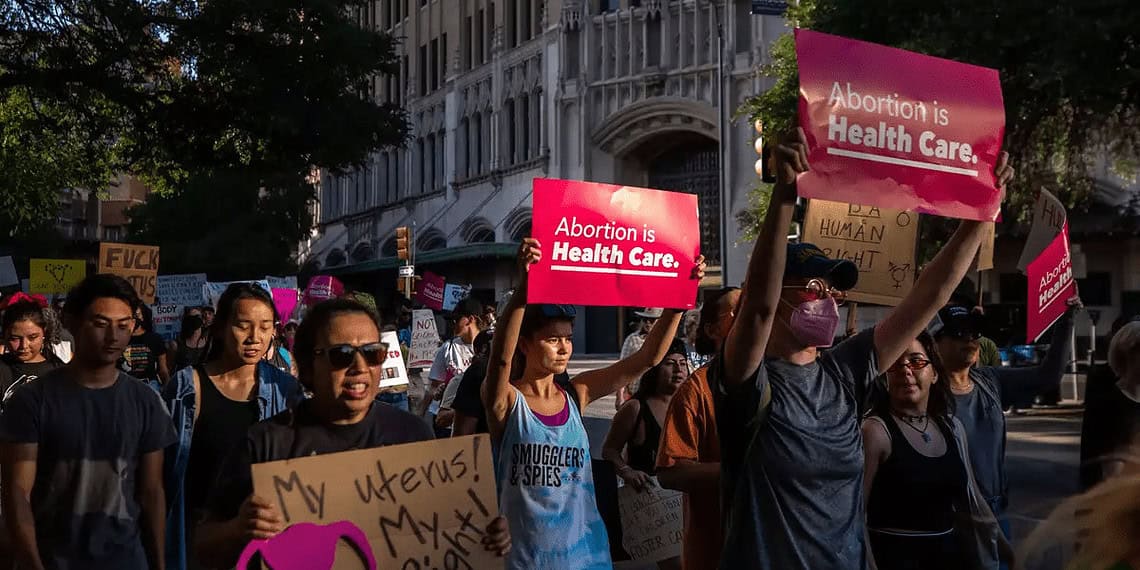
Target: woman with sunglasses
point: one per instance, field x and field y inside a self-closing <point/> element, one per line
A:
<point x="546" y="482"/>
<point x="923" y="505"/>
<point x="339" y="357"/>
<point x="214" y="403"/>
<point x="981" y="393"/>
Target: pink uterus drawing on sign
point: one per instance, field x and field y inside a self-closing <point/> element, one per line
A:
<point x="308" y="546"/>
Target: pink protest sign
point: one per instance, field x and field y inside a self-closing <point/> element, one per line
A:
<point x="429" y="291"/>
<point x="323" y="288"/>
<point x="1050" y="285"/>
<point x="614" y="245"/>
<point x="895" y="129"/>
<point x="286" y="301"/>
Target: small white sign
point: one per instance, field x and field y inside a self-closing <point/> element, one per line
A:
<point x="407" y="270"/>
<point x="393" y="373"/>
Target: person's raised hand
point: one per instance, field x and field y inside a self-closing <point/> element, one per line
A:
<point x="498" y="537"/>
<point x="791" y="158"/>
<point x="699" y="269"/>
<point x="1075" y="303"/>
<point x="259" y="518"/>
<point x="530" y="253"/>
<point x="1003" y="171"/>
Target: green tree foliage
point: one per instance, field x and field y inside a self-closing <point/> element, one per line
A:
<point x="178" y="92"/>
<point x="1070" y="75"/>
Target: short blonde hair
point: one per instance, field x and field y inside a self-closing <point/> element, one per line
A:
<point x="1126" y="341"/>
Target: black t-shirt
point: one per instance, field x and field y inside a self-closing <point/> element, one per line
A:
<point x="468" y="397"/>
<point x="14" y="374"/>
<point x="89" y="441"/>
<point x="140" y="359"/>
<point x="299" y="433"/>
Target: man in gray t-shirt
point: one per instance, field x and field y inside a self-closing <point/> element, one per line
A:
<point x="787" y="414"/>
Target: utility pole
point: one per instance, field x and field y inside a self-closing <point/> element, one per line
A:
<point x="725" y="216"/>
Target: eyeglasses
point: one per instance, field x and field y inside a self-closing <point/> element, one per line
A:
<point x="914" y="364"/>
<point x="558" y="311"/>
<point x="341" y="356"/>
<point x="816" y="289"/>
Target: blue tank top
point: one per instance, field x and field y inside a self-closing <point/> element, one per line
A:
<point x="546" y="493"/>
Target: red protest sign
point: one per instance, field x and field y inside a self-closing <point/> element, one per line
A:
<point x="895" y="129"/>
<point x="429" y="291"/>
<point x="613" y="245"/>
<point x="1050" y="285"/>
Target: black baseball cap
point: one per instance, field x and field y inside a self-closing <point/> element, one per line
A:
<point x="806" y="261"/>
<point x="468" y="307"/>
<point x="958" y="320"/>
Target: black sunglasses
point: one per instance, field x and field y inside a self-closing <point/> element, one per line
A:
<point x="558" y="311"/>
<point x="341" y="355"/>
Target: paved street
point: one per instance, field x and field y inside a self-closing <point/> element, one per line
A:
<point x="1042" y="456"/>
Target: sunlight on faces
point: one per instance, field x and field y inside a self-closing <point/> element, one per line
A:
<point x="349" y="391"/>
<point x="104" y="331"/>
<point x="906" y="386"/>
<point x="249" y="331"/>
<point x="25" y="339"/>
<point x="548" y="349"/>
<point x="671" y="373"/>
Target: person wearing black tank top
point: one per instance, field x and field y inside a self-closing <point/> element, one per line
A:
<point x="923" y="508"/>
<point x="631" y="444"/>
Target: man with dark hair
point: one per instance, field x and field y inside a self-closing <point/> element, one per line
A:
<point x="82" y="448"/>
<point x="455" y="354"/>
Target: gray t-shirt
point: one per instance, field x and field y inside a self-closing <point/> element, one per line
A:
<point x="84" y="499"/>
<point x="997" y="388"/>
<point x="794" y="481"/>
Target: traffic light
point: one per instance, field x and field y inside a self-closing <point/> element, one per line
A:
<point x="403" y="243"/>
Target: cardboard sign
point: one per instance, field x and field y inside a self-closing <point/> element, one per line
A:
<point x="213" y="291"/>
<point x="425" y="339"/>
<point x="393" y="373"/>
<point x="285" y="300"/>
<point x="896" y="129"/>
<point x="651" y="522"/>
<point x="1049" y="217"/>
<point x="453" y="294"/>
<point x="1051" y="284"/>
<point x="167" y="320"/>
<point x="985" y="260"/>
<point x="55" y="275"/>
<point x="420" y="505"/>
<point x="185" y="289"/>
<point x="429" y="291"/>
<point x="881" y="242"/>
<point x="614" y="245"/>
<point x="8" y="272"/>
<point x="289" y="282"/>
<point x="135" y="263"/>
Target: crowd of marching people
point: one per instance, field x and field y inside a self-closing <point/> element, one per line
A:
<point x="887" y="450"/>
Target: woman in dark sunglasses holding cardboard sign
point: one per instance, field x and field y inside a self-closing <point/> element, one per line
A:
<point x="546" y="482"/>
<point x="923" y="505"/>
<point x="214" y="403"/>
<point x="339" y="358"/>
<point x="983" y="392"/>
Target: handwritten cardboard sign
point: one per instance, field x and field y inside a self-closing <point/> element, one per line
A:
<point x="185" y="289"/>
<point x="453" y="294"/>
<point x="651" y="522"/>
<point x="421" y="505"/>
<point x="425" y="339"/>
<point x="614" y="245"/>
<point x="880" y="241"/>
<point x="1051" y="284"/>
<point x="8" y="272"/>
<point x="1049" y="217"/>
<point x="135" y="263"/>
<point x="167" y="320"/>
<point x="213" y="291"/>
<point x="429" y="291"/>
<point x="897" y="129"/>
<point x="55" y="275"/>
<point x="289" y="282"/>
<point x="393" y="373"/>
